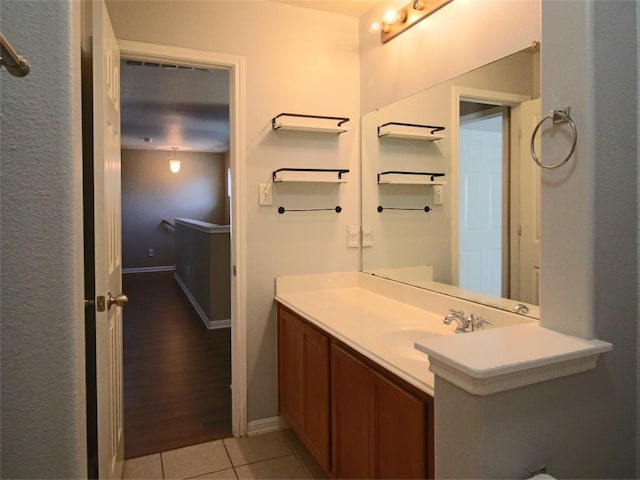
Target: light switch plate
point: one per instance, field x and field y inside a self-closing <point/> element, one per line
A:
<point x="265" y="194"/>
<point x="438" y="195"/>
<point x="367" y="236"/>
<point x="353" y="236"/>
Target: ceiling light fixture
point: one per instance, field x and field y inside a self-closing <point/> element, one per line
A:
<point x="174" y="163"/>
<point x="394" y="23"/>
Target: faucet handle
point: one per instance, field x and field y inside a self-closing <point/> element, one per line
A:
<point x="478" y="323"/>
<point x="456" y="313"/>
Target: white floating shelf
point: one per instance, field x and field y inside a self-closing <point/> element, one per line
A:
<point x="410" y="131"/>
<point x="302" y="175"/>
<point x="410" y="178"/>
<point x="309" y="123"/>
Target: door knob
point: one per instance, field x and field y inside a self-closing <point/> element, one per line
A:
<point x="119" y="300"/>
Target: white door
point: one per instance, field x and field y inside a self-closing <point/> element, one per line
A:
<point x="108" y="266"/>
<point x="528" y="277"/>
<point x="480" y="216"/>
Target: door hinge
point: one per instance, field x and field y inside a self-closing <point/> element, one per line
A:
<point x="234" y="270"/>
<point x="101" y="303"/>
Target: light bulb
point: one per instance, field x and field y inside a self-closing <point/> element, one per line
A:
<point x="174" y="163"/>
<point x="174" y="166"/>
<point x="390" y="17"/>
<point x="375" y="26"/>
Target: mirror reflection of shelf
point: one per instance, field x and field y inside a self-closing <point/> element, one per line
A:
<point x="309" y="123"/>
<point x="410" y="178"/>
<point x="410" y="131"/>
<point x="310" y="175"/>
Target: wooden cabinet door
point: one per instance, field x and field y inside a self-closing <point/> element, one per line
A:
<point x="352" y="413"/>
<point x="290" y="368"/>
<point x="315" y="394"/>
<point x="401" y="432"/>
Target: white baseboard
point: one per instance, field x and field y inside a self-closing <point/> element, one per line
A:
<point x="266" y="425"/>
<point x="161" y="268"/>
<point x="210" y="324"/>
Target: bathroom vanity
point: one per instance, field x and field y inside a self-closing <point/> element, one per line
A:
<point x="356" y="360"/>
<point x="356" y="418"/>
<point x="351" y="384"/>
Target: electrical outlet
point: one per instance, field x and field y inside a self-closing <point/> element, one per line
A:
<point x="438" y="195"/>
<point x="150" y="252"/>
<point x="353" y="236"/>
<point x="265" y="194"/>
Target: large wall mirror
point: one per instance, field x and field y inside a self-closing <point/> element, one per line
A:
<point x="450" y="194"/>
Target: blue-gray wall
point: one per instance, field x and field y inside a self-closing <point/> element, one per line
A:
<point x="150" y="192"/>
<point x="43" y="412"/>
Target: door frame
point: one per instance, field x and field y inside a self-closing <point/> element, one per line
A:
<point x="459" y="94"/>
<point x="237" y="161"/>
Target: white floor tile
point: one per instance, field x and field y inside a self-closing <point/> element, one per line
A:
<point x="195" y="460"/>
<point x="147" y="467"/>
<point x="246" y="450"/>
<point x="278" y="468"/>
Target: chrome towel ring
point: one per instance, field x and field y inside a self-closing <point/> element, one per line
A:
<point x="559" y="115"/>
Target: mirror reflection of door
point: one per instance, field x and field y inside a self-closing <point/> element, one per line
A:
<point x="483" y="218"/>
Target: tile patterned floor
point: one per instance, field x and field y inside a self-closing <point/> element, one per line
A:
<point x="277" y="455"/>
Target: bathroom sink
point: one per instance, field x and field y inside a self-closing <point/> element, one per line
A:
<point x="402" y="341"/>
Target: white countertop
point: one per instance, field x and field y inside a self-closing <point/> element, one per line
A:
<point x="501" y="359"/>
<point x="374" y="326"/>
<point x="400" y="327"/>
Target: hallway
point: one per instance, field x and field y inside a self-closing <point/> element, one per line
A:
<point x="177" y="374"/>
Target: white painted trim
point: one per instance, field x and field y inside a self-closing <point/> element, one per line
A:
<point x="237" y="159"/>
<point x="266" y="425"/>
<point x="210" y="324"/>
<point x="205" y="227"/>
<point x="160" y="268"/>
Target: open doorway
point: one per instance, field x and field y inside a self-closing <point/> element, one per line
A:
<point x="176" y="255"/>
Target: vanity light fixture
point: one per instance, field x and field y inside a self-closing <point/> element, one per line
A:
<point x="174" y="163"/>
<point x="394" y="23"/>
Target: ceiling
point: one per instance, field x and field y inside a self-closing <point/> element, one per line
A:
<point x="166" y="106"/>
<point x="351" y="8"/>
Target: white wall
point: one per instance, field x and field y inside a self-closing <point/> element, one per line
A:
<point x="463" y="35"/>
<point x="43" y="390"/>
<point x="300" y="61"/>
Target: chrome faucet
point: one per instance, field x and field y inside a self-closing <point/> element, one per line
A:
<point x="459" y="318"/>
<point x="521" y="308"/>
<point x="465" y="324"/>
<point x="478" y="323"/>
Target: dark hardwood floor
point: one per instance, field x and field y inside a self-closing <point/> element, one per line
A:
<point x="176" y="372"/>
